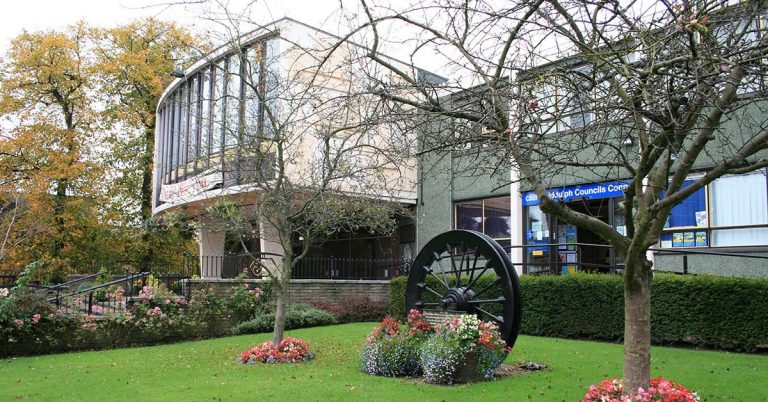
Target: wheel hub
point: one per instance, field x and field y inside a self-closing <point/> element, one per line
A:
<point x="457" y="299"/>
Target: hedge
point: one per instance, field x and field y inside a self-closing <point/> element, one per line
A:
<point x="706" y="311"/>
<point x="296" y="316"/>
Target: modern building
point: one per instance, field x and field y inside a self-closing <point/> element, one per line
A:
<point x="216" y="135"/>
<point x="717" y="230"/>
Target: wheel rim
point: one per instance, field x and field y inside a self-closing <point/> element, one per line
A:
<point x="468" y="272"/>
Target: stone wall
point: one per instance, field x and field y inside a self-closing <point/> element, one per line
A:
<point x="306" y="290"/>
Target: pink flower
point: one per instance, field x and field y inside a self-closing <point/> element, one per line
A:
<point x="36" y="318"/>
<point x="19" y="323"/>
<point x="167" y="301"/>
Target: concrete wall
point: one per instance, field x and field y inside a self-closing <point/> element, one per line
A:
<point x="306" y="290"/>
<point x="715" y="264"/>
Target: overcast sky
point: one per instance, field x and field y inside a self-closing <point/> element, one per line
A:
<point x="36" y="15"/>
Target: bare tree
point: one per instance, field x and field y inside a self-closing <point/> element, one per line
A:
<point x="647" y="92"/>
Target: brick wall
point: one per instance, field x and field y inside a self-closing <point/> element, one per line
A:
<point x="306" y="290"/>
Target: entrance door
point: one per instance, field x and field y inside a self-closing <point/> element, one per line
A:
<point x="593" y="254"/>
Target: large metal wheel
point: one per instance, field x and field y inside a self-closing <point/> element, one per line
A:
<point x="464" y="271"/>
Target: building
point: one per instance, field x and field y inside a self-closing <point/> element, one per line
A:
<point x="217" y="139"/>
<point x="716" y="230"/>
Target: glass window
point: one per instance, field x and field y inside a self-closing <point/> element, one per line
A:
<point x="469" y="215"/>
<point x="205" y="118"/>
<point x="271" y="84"/>
<point x="692" y="212"/>
<point x="491" y="216"/>
<point x="218" y="111"/>
<point x="735" y="214"/>
<point x="233" y="102"/>
<point x="183" y="133"/>
<point x="738" y="201"/>
<point x="498" y="217"/>
<point x="175" y="150"/>
<point x="194" y="123"/>
<point x="253" y="88"/>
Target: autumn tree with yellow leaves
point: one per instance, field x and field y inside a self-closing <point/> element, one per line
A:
<point x="77" y="115"/>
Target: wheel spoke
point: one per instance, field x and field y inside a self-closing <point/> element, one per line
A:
<point x="430" y="290"/>
<point x="499" y="299"/>
<point x="453" y="265"/>
<point x="496" y="282"/>
<point x="485" y="269"/>
<point x="432" y="272"/>
<point x="442" y="270"/>
<point x="496" y="318"/>
<point x="426" y="304"/>
<point x="474" y="267"/>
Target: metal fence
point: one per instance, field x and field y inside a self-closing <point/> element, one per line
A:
<point x="7" y="281"/>
<point x="101" y="299"/>
<point x="551" y="263"/>
<point x="350" y="268"/>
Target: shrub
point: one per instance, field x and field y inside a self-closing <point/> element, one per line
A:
<point x="354" y="309"/>
<point x="289" y="350"/>
<point x="247" y="301"/>
<point x="660" y="390"/>
<point x="296" y="316"/>
<point x="209" y="313"/>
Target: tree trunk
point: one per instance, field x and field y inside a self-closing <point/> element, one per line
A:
<point x="146" y="198"/>
<point x="283" y="287"/>
<point x="637" y="325"/>
<point x="279" y="328"/>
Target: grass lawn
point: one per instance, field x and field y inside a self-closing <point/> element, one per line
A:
<point x="206" y="370"/>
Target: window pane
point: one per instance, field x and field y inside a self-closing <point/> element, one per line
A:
<point x="498" y="218"/>
<point x="271" y="84"/>
<point x="205" y="119"/>
<point x="218" y="114"/>
<point x="183" y="132"/>
<point x="691" y="212"/>
<point x="739" y="200"/>
<point x="252" y="86"/>
<point x="537" y="226"/>
<point x="740" y="237"/>
<point x="469" y="215"/>
<point x="176" y="144"/>
<point x="233" y="102"/>
<point x="194" y="124"/>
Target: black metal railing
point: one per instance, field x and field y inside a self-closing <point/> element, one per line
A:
<point x="101" y="299"/>
<point x="350" y="268"/>
<point x="232" y="266"/>
<point x="551" y="262"/>
<point x="7" y="281"/>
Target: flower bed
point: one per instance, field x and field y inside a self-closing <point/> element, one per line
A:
<point x="462" y="349"/>
<point x="289" y="350"/>
<point x="660" y="390"/>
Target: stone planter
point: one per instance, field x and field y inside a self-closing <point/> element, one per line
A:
<point x="467" y="371"/>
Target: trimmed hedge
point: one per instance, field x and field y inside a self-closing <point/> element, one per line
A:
<point x="708" y="311"/>
<point x="296" y="316"/>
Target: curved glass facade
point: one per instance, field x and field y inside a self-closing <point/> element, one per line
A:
<point x="211" y="116"/>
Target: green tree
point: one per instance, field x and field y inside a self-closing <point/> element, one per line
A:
<point x="135" y="62"/>
<point x="50" y="137"/>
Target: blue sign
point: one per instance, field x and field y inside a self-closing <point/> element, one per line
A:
<point x="585" y="191"/>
